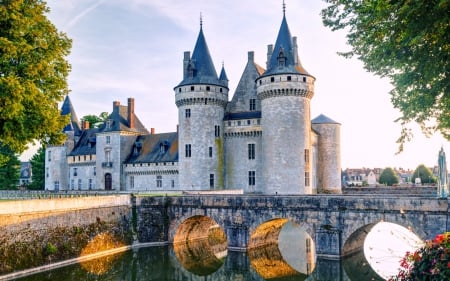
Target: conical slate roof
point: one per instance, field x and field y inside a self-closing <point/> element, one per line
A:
<point x="201" y="68"/>
<point x="285" y="50"/>
<point x="322" y="119"/>
<point x="74" y="124"/>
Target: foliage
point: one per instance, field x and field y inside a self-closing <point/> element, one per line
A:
<point x="425" y="174"/>
<point x="38" y="168"/>
<point x="96" y="121"/>
<point x="33" y="75"/>
<point x="10" y="169"/>
<point x="407" y="42"/>
<point x="389" y="177"/>
<point x="431" y="262"/>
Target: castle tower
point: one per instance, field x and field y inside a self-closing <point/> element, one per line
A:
<point x="201" y="98"/>
<point x="329" y="154"/>
<point x="285" y="90"/>
<point x="56" y="166"/>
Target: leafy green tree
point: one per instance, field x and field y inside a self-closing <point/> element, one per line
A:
<point x="38" y="170"/>
<point x="10" y="169"/>
<point x="389" y="177"/>
<point x="425" y="174"/>
<point x="33" y="75"/>
<point x="407" y="42"/>
<point x="96" y="121"/>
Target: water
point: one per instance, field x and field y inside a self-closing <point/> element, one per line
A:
<point x="291" y="257"/>
<point x="162" y="263"/>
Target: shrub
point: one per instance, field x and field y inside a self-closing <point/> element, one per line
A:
<point x="431" y="262"/>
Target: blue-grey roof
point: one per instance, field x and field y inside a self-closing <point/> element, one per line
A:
<point x="322" y="119"/>
<point x="284" y="47"/>
<point x="86" y="145"/>
<point x="155" y="148"/>
<point x="223" y="75"/>
<point x="201" y="67"/>
<point x="67" y="109"/>
<point x="242" y="115"/>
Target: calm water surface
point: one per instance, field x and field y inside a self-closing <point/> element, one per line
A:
<point x="162" y="263"/>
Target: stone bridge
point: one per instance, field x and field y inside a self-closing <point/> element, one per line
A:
<point x="337" y="223"/>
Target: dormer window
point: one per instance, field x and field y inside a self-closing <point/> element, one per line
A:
<point x="281" y="58"/>
<point x="163" y="147"/>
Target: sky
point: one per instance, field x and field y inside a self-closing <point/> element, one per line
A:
<point x="134" y="48"/>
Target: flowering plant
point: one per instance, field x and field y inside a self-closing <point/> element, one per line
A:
<point x="428" y="263"/>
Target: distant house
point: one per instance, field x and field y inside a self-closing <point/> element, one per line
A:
<point x="25" y="174"/>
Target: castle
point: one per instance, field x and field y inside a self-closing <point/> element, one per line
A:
<point x="262" y="141"/>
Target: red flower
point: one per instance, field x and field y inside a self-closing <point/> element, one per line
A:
<point x="448" y="264"/>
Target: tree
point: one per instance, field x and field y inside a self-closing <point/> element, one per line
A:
<point x="33" y="75"/>
<point x="10" y="170"/>
<point x="407" y="42"/>
<point x="389" y="177"/>
<point x="38" y="170"/>
<point x="424" y="173"/>
<point x="96" y="121"/>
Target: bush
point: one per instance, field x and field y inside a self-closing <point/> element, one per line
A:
<point x="431" y="262"/>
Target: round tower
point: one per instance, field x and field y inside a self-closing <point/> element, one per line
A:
<point x="285" y="90"/>
<point x="201" y="99"/>
<point x="329" y="154"/>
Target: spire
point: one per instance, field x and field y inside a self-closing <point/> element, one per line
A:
<point x="284" y="55"/>
<point x="223" y="74"/>
<point x="67" y="109"/>
<point x="199" y="69"/>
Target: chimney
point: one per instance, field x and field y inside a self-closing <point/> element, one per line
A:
<point x="131" y="113"/>
<point x="152" y="131"/>
<point x="251" y="56"/>
<point x="186" y="59"/>
<point x="116" y="105"/>
<point x="295" y="47"/>
<point x="85" y="125"/>
<point x="269" y="54"/>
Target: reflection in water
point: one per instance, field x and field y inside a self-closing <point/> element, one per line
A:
<point x="207" y="259"/>
<point x="199" y="257"/>
<point x="358" y="268"/>
<point x="101" y="242"/>
<point x="386" y="244"/>
<point x="270" y="265"/>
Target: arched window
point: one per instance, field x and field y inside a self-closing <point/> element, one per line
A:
<point x="108" y="181"/>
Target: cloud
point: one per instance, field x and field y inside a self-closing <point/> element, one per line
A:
<point x="83" y="13"/>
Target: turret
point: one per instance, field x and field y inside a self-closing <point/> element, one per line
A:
<point x="201" y="98"/>
<point x="329" y="154"/>
<point x="285" y="90"/>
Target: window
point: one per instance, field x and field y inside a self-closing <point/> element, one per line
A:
<point x="251" y="178"/>
<point x="172" y="183"/>
<point x="188" y="150"/>
<point x="304" y="79"/>
<point x="46" y="172"/>
<point x="217" y="131"/>
<point x="56" y="185"/>
<point x="49" y="154"/>
<point x="252" y="104"/>
<point x="188" y="113"/>
<point x="91" y="184"/>
<point x="108" y="139"/>
<point x="131" y="182"/>
<point x="307" y="159"/>
<point x="107" y="155"/>
<point x="208" y="88"/>
<point x="80" y="184"/>
<point x="158" y="181"/>
<point x="289" y="78"/>
<point x="210" y="152"/>
<point x="72" y="184"/>
<point x="249" y="122"/>
<point x="272" y="79"/>
<point x="192" y="88"/>
<point x="308" y="245"/>
<point x="75" y="172"/>
<point x="95" y="171"/>
<point x="306" y="178"/>
<point x="251" y="151"/>
<point x="211" y="180"/>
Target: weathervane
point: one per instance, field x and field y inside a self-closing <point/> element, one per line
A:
<point x="201" y="21"/>
<point x="284" y="8"/>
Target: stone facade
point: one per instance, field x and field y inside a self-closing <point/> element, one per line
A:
<point x="262" y="141"/>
